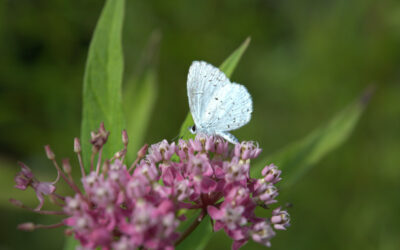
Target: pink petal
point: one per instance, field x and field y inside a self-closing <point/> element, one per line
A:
<point x="215" y="213"/>
<point x="207" y="185"/>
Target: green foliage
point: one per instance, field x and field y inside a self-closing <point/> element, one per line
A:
<point x="297" y="158"/>
<point x="230" y="63"/>
<point x="300" y="156"/>
<point x="308" y="60"/>
<point x="228" y="66"/>
<point x="139" y="96"/>
<point x="199" y="238"/>
<point x="102" y="101"/>
<point x="142" y="94"/>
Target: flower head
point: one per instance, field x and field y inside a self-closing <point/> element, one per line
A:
<point x="140" y="206"/>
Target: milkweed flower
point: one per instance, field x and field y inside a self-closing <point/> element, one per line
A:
<point x="116" y="206"/>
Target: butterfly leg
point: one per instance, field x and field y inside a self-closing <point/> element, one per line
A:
<point x="229" y="137"/>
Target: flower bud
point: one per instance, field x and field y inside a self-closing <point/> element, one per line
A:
<point x="28" y="226"/>
<point x="49" y="152"/>
<point x="66" y="166"/>
<point x="77" y="145"/>
<point x="16" y="202"/>
<point x="125" y="138"/>
<point x="142" y="152"/>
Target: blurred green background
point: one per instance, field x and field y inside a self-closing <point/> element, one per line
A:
<point x="307" y="60"/>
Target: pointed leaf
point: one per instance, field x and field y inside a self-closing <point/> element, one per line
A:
<point x="296" y="159"/>
<point x="228" y="66"/>
<point x="102" y="100"/>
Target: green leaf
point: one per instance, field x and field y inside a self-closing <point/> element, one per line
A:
<point x="298" y="158"/>
<point x="139" y="96"/>
<point x="199" y="238"/>
<point x="102" y="82"/>
<point x="138" y="109"/>
<point x="228" y="66"/>
<point x="102" y="100"/>
<point x="70" y="243"/>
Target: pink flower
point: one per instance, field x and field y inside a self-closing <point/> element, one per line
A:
<point x="280" y="219"/>
<point x="246" y="150"/>
<point x="271" y="174"/>
<point x="231" y="217"/>
<point x="262" y="233"/>
<point x="25" y="178"/>
<point x="140" y="206"/>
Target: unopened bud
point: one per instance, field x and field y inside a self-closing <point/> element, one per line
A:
<point x="125" y="137"/>
<point x="49" y="153"/>
<point x="28" y="226"/>
<point x="92" y="135"/>
<point x="99" y="138"/>
<point x="77" y="145"/>
<point x="102" y="128"/>
<point x="66" y="166"/>
<point x="16" y="202"/>
<point x="142" y="152"/>
<point x="118" y="155"/>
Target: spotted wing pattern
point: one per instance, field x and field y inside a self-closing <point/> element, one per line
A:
<point x="229" y="108"/>
<point x="203" y="80"/>
<point x="216" y="104"/>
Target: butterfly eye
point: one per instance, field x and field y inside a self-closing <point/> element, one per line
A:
<point x="193" y="129"/>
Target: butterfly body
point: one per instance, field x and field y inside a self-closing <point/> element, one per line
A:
<point x="216" y="104"/>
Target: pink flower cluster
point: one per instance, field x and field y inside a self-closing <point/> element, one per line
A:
<point x="120" y="207"/>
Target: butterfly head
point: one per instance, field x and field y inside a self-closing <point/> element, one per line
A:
<point x="193" y="129"/>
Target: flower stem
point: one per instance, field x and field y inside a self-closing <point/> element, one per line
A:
<point x="190" y="229"/>
<point x="99" y="162"/>
<point x="81" y="164"/>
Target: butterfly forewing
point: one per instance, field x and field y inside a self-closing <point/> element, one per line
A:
<point x="203" y="80"/>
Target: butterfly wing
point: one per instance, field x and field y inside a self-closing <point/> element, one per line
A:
<point x="203" y="81"/>
<point x="229" y="108"/>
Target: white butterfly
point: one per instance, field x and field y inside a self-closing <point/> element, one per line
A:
<point x="216" y="104"/>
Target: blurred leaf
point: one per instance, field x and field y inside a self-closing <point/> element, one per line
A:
<point x="228" y="66"/>
<point x="296" y="159"/>
<point x="139" y="96"/>
<point x="142" y="95"/>
<point x="70" y="244"/>
<point x="102" y="100"/>
<point x="199" y="238"/>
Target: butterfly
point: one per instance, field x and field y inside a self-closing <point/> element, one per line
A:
<point x="217" y="105"/>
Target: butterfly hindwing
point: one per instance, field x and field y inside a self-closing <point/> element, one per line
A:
<point x="229" y="108"/>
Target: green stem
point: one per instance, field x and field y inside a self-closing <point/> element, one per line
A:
<point x="192" y="227"/>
